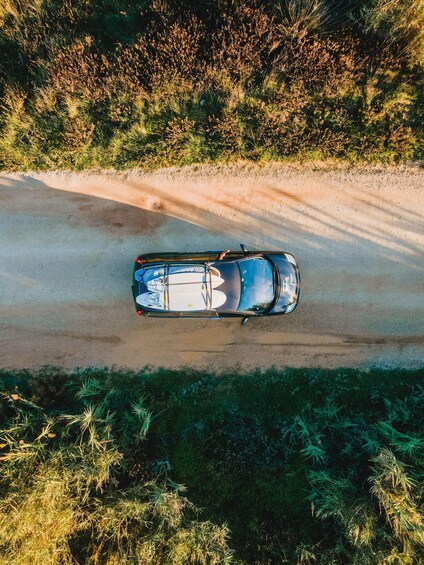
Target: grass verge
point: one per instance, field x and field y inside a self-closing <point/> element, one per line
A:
<point x="299" y="465"/>
<point x="136" y="83"/>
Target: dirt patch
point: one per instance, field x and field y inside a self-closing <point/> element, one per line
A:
<point x="115" y="218"/>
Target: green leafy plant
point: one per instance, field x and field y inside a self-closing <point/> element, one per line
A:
<point x="305" y="465"/>
<point x="66" y="496"/>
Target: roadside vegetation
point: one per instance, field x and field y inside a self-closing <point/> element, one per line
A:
<point x="139" y="83"/>
<point x="284" y="466"/>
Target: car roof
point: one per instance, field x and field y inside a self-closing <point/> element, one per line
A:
<point x="186" y="287"/>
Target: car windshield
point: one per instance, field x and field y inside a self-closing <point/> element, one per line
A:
<point x="257" y="284"/>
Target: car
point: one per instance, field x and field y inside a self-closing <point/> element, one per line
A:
<point x="216" y="284"/>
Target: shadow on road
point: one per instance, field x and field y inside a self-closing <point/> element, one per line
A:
<point x="359" y="240"/>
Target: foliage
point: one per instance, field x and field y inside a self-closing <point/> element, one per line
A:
<point x="305" y="465"/>
<point x="124" y="83"/>
<point x="80" y="488"/>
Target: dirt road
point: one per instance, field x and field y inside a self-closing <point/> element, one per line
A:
<point x="67" y="243"/>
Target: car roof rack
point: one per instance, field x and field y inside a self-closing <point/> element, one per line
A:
<point x="166" y="288"/>
<point x="208" y="286"/>
<point x="208" y="275"/>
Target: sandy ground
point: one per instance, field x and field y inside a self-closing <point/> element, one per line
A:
<point x="67" y="243"/>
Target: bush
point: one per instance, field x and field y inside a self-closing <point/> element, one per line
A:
<point x="71" y="492"/>
<point x="303" y="465"/>
<point x="119" y="84"/>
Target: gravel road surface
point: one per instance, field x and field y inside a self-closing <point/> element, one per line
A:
<point x="67" y="243"/>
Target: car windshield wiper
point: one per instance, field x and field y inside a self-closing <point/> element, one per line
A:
<point x="276" y="276"/>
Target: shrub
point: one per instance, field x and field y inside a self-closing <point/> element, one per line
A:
<point x="117" y="84"/>
<point x="67" y="495"/>
<point x="313" y="465"/>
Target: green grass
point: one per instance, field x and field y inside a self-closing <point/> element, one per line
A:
<point x="139" y="84"/>
<point x="306" y="465"/>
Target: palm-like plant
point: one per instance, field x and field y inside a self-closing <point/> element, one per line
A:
<point x="406" y="444"/>
<point x="143" y="415"/>
<point x="395" y="490"/>
<point x="63" y="500"/>
<point x="311" y="440"/>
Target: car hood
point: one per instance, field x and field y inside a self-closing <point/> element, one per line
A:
<point x="289" y="283"/>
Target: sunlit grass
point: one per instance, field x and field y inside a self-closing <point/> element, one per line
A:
<point x="125" y="84"/>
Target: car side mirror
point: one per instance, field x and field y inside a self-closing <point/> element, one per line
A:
<point x="243" y="247"/>
<point x="244" y="321"/>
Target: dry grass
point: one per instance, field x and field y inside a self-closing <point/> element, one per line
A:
<point x="217" y="80"/>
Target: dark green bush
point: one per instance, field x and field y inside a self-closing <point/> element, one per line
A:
<point x="303" y="465"/>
